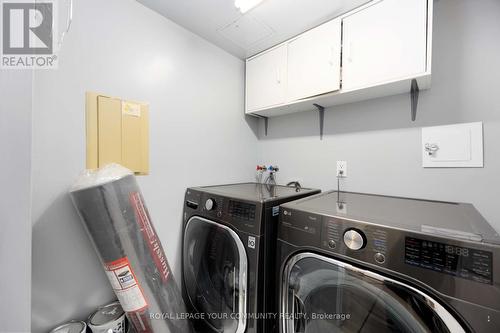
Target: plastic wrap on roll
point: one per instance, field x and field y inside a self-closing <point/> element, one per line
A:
<point x="117" y="221"/>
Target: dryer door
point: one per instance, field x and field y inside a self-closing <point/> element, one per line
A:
<point x="215" y="274"/>
<point x="321" y="294"/>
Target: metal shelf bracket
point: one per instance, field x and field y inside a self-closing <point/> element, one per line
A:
<point x="321" y="111"/>
<point x="414" y="92"/>
<point x="266" y="122"/>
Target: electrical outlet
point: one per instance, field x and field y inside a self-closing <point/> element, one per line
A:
<point x="341" y="169"/>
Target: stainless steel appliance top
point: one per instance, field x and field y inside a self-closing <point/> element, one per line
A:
<point x="257" y="192"/>
<point x="444" y="219"/>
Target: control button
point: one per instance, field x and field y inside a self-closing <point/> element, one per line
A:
<point x="354" y="240"/>
<point x="379" y="257"/>
<point x="332" y="244"/>
<point x="219" y="213"/>
<point x="210" y="204"/>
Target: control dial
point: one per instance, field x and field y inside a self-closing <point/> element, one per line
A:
<point x="354" y="239"/>
<point x="210" y="204"/>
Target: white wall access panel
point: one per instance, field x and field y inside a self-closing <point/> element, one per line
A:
<point x="453" y="146"/>
<point x="266" y="78"/>
<point x="314" y="61"/>
<point x="384" y="42"/>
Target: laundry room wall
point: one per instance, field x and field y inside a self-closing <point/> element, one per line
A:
<point x="382" y="146"/>
<point x="15" y="175"/>
<point x="198" y="136"/>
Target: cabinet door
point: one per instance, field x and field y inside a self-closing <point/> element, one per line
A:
<point x="266" y="79"/>
<point x="384" y="42"/>
<point x="314" y="62"/>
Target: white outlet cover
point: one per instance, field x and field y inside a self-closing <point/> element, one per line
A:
<point x="342" y="165"/>
<point x="459" y="146"/>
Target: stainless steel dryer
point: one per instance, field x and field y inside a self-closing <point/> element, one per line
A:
<point x="353" y="262"/>
<point x="229" y="254"/>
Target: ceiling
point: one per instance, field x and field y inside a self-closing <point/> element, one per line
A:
<point x="268" y="24"/>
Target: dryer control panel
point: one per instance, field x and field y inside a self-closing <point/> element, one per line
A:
<point x="242" y="210"/>
<point x="242" y="215"/>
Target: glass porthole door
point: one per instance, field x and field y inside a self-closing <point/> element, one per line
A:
<point x="321" y="294"/>
<point x="215" y="274"/>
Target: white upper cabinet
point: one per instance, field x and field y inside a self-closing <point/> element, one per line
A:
<point x="380" y="49"/>
<point x="384" y="42"/>
<point x="314" y="61"/>
<point x="266" y="79"/>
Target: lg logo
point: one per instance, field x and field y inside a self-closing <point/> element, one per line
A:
<point x="27" y="28"/>
<point x="251" y="242"/>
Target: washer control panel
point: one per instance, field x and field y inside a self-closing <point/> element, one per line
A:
<point x="370" y="243"/>
<point x="346" y="238"/>
<point x="466" y="263"/>
<point x="354" y="239"/>
<point x="454" y="267"/>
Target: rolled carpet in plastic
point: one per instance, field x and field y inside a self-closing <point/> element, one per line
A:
<point x="113" y="212"/>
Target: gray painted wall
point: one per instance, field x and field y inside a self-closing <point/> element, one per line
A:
<point x="15" y="200"/>
<point x="198" y="136"/>
<point x="380" y="143"/>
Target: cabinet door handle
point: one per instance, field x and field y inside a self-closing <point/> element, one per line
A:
<point x="332" y="55"/>
<point x="348" y="51"/>
<point x="347" y="43"/>
<point x="278" y="75"/>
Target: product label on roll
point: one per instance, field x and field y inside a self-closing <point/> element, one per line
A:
<point x="125" y="284"/>
<point x="150" y="236"/>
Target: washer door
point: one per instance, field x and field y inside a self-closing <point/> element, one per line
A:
<point x="321" y="294"/>
<point x="215" y="274"/>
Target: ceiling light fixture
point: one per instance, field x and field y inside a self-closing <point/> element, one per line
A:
<point x="245" y="5"/>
